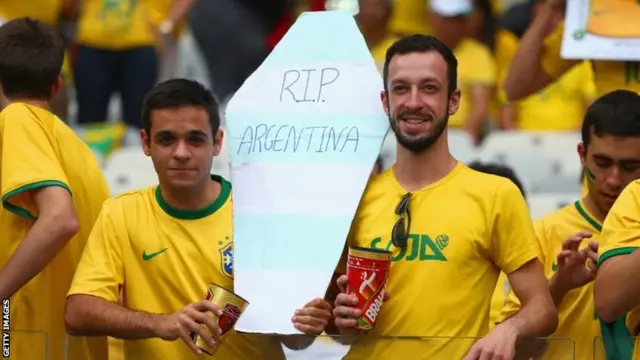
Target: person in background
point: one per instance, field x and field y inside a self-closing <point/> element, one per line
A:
<point x="167" y="20"/>
<point x="52" y="189"/>
<point x="502" y="287"/>
<point x="617" y="291"/>
<point x="477" y="72"/>
<point x="568" y="238"/>
<point x="538" y="63"/>
<point x="372" y="19"/>
<point x="233" y="38"/>
<point x="49" y="12"/>
<point x="408" y="18"/>
<point x="153" y="241"/>
<point x="413" y="210"/>
<point x="119" y="42"/>
<point x="559" y="106"/>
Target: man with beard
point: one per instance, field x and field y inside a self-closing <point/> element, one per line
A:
<point x="467" y="227"/>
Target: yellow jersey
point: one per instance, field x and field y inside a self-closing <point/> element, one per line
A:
<point x="379" y="51"/>
<point x="47" y="11"/>
<point x="38" y="150"/>
<point x="558" y="107"/>
<point x="476" y="66"/>
<point x="576" y="314"/>
<point x="158" y="11"/>
<point x="163" y="259"/>
<point x="408" y="17"/>
<point x="608" y="75"/>
<point x="116" y="24"/>
<point x="620" y="237"/>
<point x="441" y="284"/>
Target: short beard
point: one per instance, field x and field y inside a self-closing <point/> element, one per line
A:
<point x="421" y="144"/>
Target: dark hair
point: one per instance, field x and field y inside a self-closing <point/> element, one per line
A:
<point x="31" y="56"/>
<point x="499" y="170"/>
<point x="179" y="93"/>
<point x="616" y="113"/>
<point x="489" y="28"/>
<point x="423" y="43"/>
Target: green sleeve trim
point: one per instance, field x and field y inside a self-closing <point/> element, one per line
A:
<point x="24" y="188"/>
<point x="617" y="340"/>
<point x="615" y="252"/>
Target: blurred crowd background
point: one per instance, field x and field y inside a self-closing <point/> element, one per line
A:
<point x="118" y="49"/>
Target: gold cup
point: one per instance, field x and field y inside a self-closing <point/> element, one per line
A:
<point x="232" y="307"/>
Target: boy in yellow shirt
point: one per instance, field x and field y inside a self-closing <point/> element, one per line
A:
<point x="52" y="189"/>
<point x="165" y="244"/>
<point x="569" y="237"/>
<point x="476" y="72"/>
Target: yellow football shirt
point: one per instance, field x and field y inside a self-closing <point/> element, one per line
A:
<point x="558" y="107"/>
<point x="38" y="150"/>
<point x="577" y="317"/>
<point x="115" y="24"/>
<point x="408" y="17"/>
<point x="608" y="75"/>
<point x="379" y="51"/>
<point x="476" y="66"/>
<point x="158" y="11"/>
<point x="47" y="11"/>
<point x="621" y="236"/>
<point x="194" y="249"/>
<point x="561" y="105"/>
<point x="441" y="285"/>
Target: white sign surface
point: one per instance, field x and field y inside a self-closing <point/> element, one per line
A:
<point x="304" y="132"/>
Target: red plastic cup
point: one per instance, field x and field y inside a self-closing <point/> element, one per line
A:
<point x="368" y="270"/>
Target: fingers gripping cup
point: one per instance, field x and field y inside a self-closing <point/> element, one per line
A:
<point x="368" y="270"/>
<point x="231" y="305"/>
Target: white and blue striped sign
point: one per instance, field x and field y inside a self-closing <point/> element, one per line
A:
<point x="304" y="132"/>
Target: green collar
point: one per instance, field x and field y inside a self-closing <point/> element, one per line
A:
<point x="225" y="192"/>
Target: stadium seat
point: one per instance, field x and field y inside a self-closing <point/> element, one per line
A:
<point x="530" y="167"/>
<point x="558" y="184"/>
<point x="462" y="147"/>
<point x="543" y="204"/>
<point x="562" y="148"/>
<point x="501" y="141"/>
<point x="128" y="169"/>
<point x="191" y="64"/>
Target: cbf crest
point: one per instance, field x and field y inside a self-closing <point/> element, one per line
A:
<point x="226" y="259"/>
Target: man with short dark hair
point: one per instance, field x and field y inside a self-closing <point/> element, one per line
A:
<point x="52" y="190"/>
<point x="452" y="230"/>
<point x="568" y="238"/>
<point x="165" y="244"/>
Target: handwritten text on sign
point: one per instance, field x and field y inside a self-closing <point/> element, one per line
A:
<point x="306" y="85"/>
<point x="289" y="138"/>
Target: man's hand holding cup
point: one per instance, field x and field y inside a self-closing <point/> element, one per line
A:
<point x="361" y="290"/>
